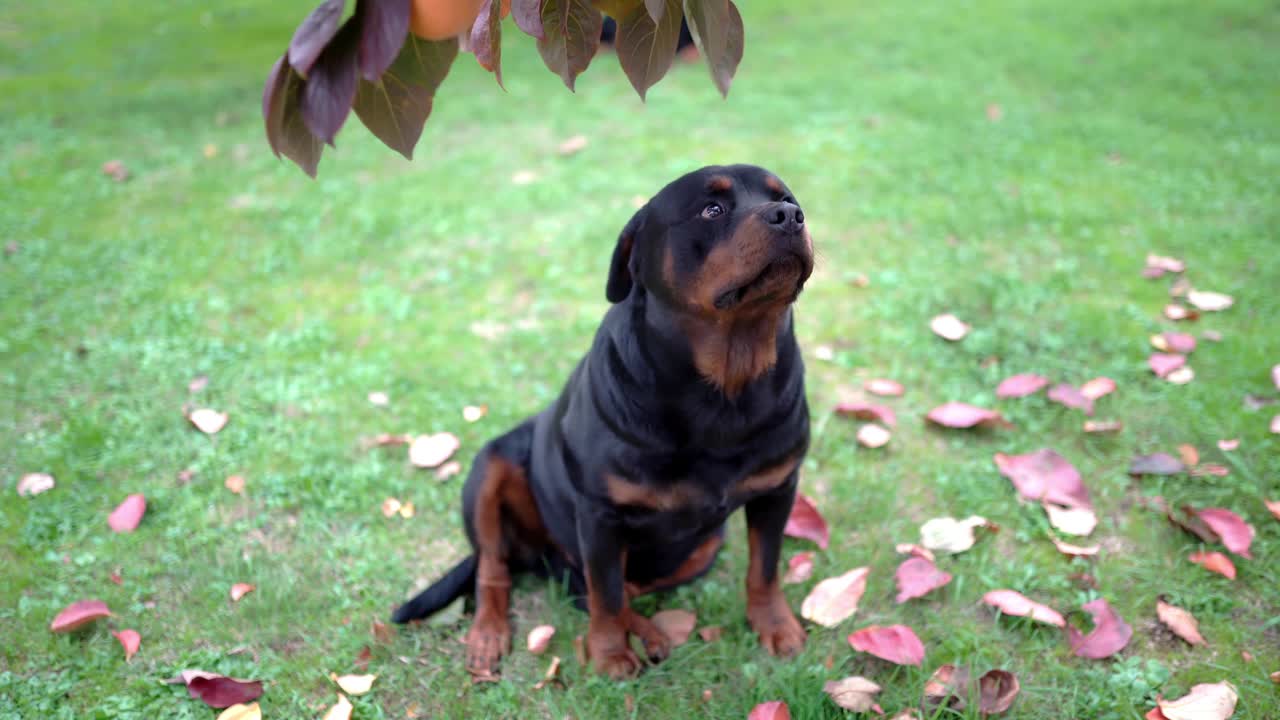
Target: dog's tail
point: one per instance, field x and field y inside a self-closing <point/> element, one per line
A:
<point x="461" y="579"/>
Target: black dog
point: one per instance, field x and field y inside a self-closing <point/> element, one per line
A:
<point x="689" y="405"/>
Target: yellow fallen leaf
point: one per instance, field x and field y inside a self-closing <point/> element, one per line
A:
<point x="354" y="684"/>
<point x="340" y="711"/>
<point x="242" y="712"/>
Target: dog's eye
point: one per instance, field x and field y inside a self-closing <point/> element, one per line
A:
<point x="714" y="210"/>
<point x="789" y="199"/>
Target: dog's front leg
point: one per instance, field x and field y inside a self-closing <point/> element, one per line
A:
<point x="608" y="642"/>
<point x="767" y="609"/>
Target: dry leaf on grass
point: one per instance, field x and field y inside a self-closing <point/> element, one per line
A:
<point x="897" y="644"/>
<point x="208" y="421"/>
<point x="1098" y="387"/>
<point x="1181" y="376"/>
<point x="885" y="387"/>
<point x="1274" y="507"/>
<point x="949" y="327"/>
<point x="379" y="398"/>
<point x="128" y="514"/>
<point x="1070" y="396"/>
<point x="130" y="640"/>
<point x="835" y="599"/>
<point x="806" y="523"/>
<point x="997" y="689"/>
<point x="1188" y="454"/>
<point x="1182" y="623"/>
<point x="539" y="639"/>
<point x="867" y="411"/>
<point x="1165" y="263"/>
<point x="1206" y="701"/>
<point x="1175" y="311"/>
<point x="1109" y="635"/>
<point x="1011" y="602"/>
<point x="1075" y="550"/>
<point x="856" y="694"/>
<point x="218" y="691"/>
<point x="1156" y="464"/>
<point x="873" y="436"/>
<point x="341" y="710"/>
<point x="234" y="483"/>
<point x="914" y="550"/>
<point x="949" y="535"/>
<point x="799" y="568"/>
<point x="552" y="675"/>
<point x="677" y="625"/>
<point x="1234" y="532"/>
<point x="949" y="687"/>
<point x="1226" y="445"/>
<point x="1018" y="386"/>
<point x="1045" y="476"/>
<point x="963" y="415"/>
<point x="711" y="633"/>
<point x="390" y="507"/>
<point x="1215" y="562"/>
<point x="448" y="470"/>
<point x="473" y="413"/>
<point x="239" y="590"/>
<point x="354" y="684"/>
<point x="775" y="710"/>
<point x="1103" y="426"/>
<point x="572" y="145"/>
<point x="1072" y="521"/>
<point x="246" y="712"/>
<point x="428" y="451"/>
<point x="1164" y="363"/>
<point x="33" y="484"/>
<point x="1206" y="301"/>
<point x="917" y="577"/>
<point x="115" y="170"/>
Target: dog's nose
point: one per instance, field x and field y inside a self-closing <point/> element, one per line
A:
<point x="784" y="216"/>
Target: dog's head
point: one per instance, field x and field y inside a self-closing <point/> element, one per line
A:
<point x="720" y="242"/>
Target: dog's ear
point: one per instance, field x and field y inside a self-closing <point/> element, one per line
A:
<point x="621" y="268"/>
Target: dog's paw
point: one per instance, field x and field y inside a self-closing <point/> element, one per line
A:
<point x="657" y="646"/>
<point x="487" y="642"/>
<point x="620" y="664"/>
<point x="780" y="632"/>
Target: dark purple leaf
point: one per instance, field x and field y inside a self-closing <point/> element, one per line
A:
<point x="331" y="86"/>
<point x="314" y="34"/>
<point x="528" y="16"/>
<point x="571" y="35"/>
<point x="222" y="692"/>
<point x="716" y="27"/>
<point x="658" y="8"/>
<point x="286" y="131"/>
<point x="486" y="38"/>
<point x="1071" y="396"/>
<point x="396" y="107"/>
<point x="383" y="27"/>
<point x="1156" y="464"/>
<point x="647" y="48"/>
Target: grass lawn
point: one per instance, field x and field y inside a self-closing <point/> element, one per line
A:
<point x="1011" y="161"/>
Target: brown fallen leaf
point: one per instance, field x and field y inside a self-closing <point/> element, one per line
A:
<point x="963" y="415"/>
<point x="1210" y="470"/>
<point x="677" y="625"/>
<point x="1165" y="263"/>
<point x="835" y="599"/>
<point x="234" y="483"/>
<point x="856" y="694"/>
<point x="806" y="523"/>
<point x="381" y="632"/>
<point x="551" y="676"/>
<point x="1070" y="396"/>
<point x="897" y="644"/>
<point x="917" y="577"/>
<point x="33" y="484"/>
<point x="572" y="145"/>
<point x="1180" y="287"/>
<point x="775" y="710"/>
<point x="711" y="633"/>
<point x="1109" y="636"/>
<point x="888" y="388"/>
<point x="128" y="514"/>
<point x="239" y="590"/>
<point x="1188" y="454"/>
<point x="539" y="639"/>
<point x="1103" y="426"/>
<point x="208" y="421"/>
<point x="1182" y="623"/>
<point x="1164" y="363"/>
<point x="1098" y="387"/>
<point x="949" y="687"/>
<point x="354" y="684"/>
<point x="1175" y="311"/>
<point x="363" y="658"/>
<point x="1215" y="562"/>
<point x="1156" y="464"/>
<point x="390" y="507"/>
<point x="799" y="568"/>
<point x="1206" y="701"/>
<point x="252" y="711"/>
<point x="1017" y="386"/>
<point x="130" y="640"/>
<point x="1011" y="602"/>
<point x="949" y="327"/>
<point x="873" y="436"/>
<point x="1206" y="301"/>
<point x="1075" y="550"/>
<point x="341" y="710"/>
<point x="867" y="411"/>
<point x="949" y="535"/>
<point x="429" y="451"/>
<point x="997" y="690"/>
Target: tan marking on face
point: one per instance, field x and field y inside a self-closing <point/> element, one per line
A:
<point x="675" y="497"/>
<point x="719" y="183"/>
<point x="774" y="184"/>
<point x="732" y="262"/>
<point x="768" y="478"/>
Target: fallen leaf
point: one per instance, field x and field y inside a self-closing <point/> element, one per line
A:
<point x="448" y="470"/>
<point x="245" y="712"/>
<point x="473" y="413"/>
<point x="208" y="421"/>
<point x="1275" y="375"/>
<point x="381" y="632"/>
<point x="1068" y="395"/>
<point x="1163" y="363"/>
<point x="1011" y="602"/>
<point x="406" y="510"/>
<point x="362" y="658"/>
<point x="994" y="112"/>
<point x="947" y="687"/>
<point x="1210" y="470"/>
<point x="799" y="568"/>
<point x="908" y="714"/>
<point x="1164" y="263"/>
<point x="897" y="644"/>
<point x="835" y="599"/>
<point x="1275" y="677"/>
<point x="997" y="690"/>
<point x="1206" y="701"/>
<point x="198" y="383"/>
<point x="128" y="514"/>
<point x="949" y="327"/>
<point x="1017" y="386"/>
<point x="33" y="484"/>
<point x="218" y="691"/>
<point x="916" y="577"/>
<point x="234" y="483"/>
<point x="962" y="415"/>
<point x="1173" y="342"/>
<point x="806" y="523"/>
<point x="775" y="710"/>
<point x="1175" y="311"/>
<point x="1156" y="464"/>
<point x="1228" y="445"/>
<point x="1215" y="562"/>
<point x="1180" y="287"/>
<point x="1188" y="454"/>
<point x="385" y="440"/>
<point x="1072" y="521"/>
<point x="1109" y="635"/>
<point x="341" y="710"/>
<point x="379" y="398"/>
<point x="1235" y="533"/>
<point x="914" y="550"/>
<point x="428" y="451"/>
<point x="239" y="590"/>
<point x="1098" y="387"/>
<point x="524" y="177"/>
<point x="390" y="507"/>
<point x="540" y="638"/>
<point x="1103" y="426"/>
<point x="115" y="577"/>
<point x="1182" y="623"/>
<point x="888" y="388"/>
<point x="552" y="675"/>
<point x="866" y="411"/>
<point x="1181" y="376"/>
<point x="354" y="684"/>
<point x="855" y="693"/>
<point x="825" y="353"/>
<point x="1045" y="476"/>
<point x="1075" y="550"/>
<point x="1273" y="506"/>
<point x="1275" y="425"/>
<point x="130" y="640"/>
<point x="115" y="170"/>
<point x="949" y="535"/>
<point x="873" y="436"/>
<point x="1209" y="301"/>
<point x="711" y="633"/>
<point x="677" y="625"/>
<point x="572" y="145"/>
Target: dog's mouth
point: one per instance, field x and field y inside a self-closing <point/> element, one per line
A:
<point x="780" y="280"/>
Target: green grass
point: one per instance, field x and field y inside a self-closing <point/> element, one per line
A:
<point x="1126" y="128"/>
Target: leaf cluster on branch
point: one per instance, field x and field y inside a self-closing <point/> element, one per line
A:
<point x="387" y="59"/>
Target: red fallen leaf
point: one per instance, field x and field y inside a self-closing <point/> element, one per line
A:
<point x="1103" y="426"/>
<point x="948" y="686"/>
<point x="1156" y="464"/>
<point x="775" y="710"/>
<point x="867" y="411"/>
<point x="897" y="644"/>
<point x="539" y="638"/>
<point x="807" y="523"/>
<point x="208" y="421"/>
<point x="1154" y="714"/>
<point x="1045" y="476"/>
<point x="1236" y="534"/>
<point x="218" y="691"/>
<point x="1173" y="342"/>
<point x="234" y="483"/>
<point x="115" y="577"/>
<point x="1209" y="301"/>
<point x="1206" y="701"/>
<point x="131" y="640"/>
<point x="1165" y="263"/>
<point x="873" y="436"/>
<point x="198" y="383"/>
<point x="1070" y="396"/>
<point x="1011" y="602"/>
<point x="856" y="694"/>
<point x="115" y="170"/>
<point x="949" y="327"/>
<point x="677" y="625"/>
<point x="997" y="690"/>
<point x="1228" y="445"/>
<point x="363" y="658"/>
<point x="710" y="633"/>
<point x="1018" y="386"/>
<point x="128" y="514"/>
<point x="428" y="451"/>
<point x="1174" y="311"/>
<point x="1098" y="387"/>
<point x="1273" y="506"/>
<point x="917" y="577"/>
<point x="33" y="484"/>
<point x="1109" y="636"/>
<point x="1075" y="550"/>
<point x="962" y="415"/>
<point x="1163" y="363"/>
<point x="572" y="145"/>
<point x="799" y="568"/>
<point x="1182" y="623"/>
<point x="239" y="590"/>
<point x="1189" y="454"/>
<point x="1210" y="469"/>
<point x="881" y="386"/>
<point x="833" y="600"/>
<point x="995" y="113"/>
<point x="914" y="550"/>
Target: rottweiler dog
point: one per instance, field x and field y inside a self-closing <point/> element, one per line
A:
<point x="689" y="404"/>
